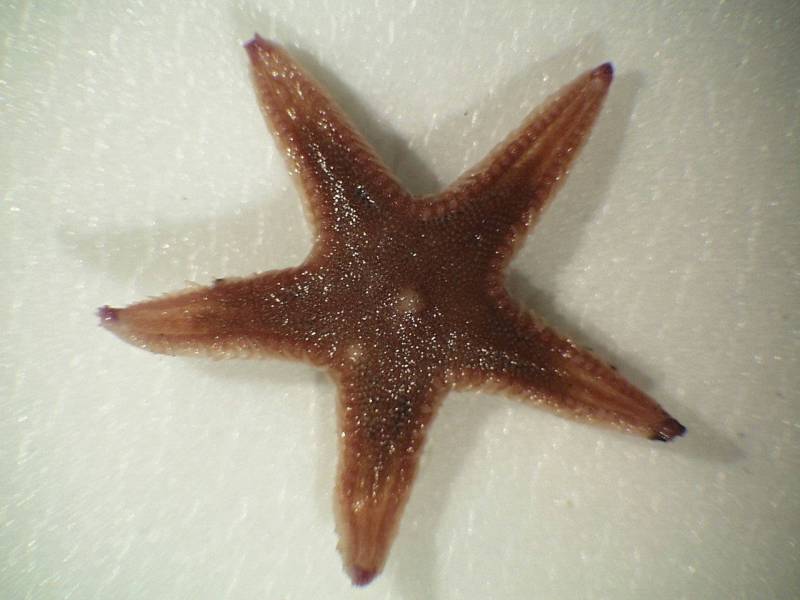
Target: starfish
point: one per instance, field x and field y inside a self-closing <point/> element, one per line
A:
<point x="401" y="299"/>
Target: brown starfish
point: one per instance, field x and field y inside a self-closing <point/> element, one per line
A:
<point x="401" y="298"/>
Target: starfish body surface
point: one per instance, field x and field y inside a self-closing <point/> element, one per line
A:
<point x="401" y="299"/>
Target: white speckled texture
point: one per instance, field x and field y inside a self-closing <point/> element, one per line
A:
<point x="133" y="157"/>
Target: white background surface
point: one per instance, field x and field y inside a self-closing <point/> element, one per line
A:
<point x="134" y="158"/>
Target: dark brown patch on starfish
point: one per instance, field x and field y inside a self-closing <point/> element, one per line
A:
<point x="401" y="298"/>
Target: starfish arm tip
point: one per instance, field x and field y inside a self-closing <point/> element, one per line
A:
<point x="604" y="71"/>
<point x="259" y="46"/>
<point x="254" y="41"/>
<point x="107" y="314"/>
<point x="667" y="430"/>
<point x="360" y="576"/>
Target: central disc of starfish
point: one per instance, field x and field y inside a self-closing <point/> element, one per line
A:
<point x="401" y="298"/>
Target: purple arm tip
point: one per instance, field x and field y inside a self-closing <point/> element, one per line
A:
<point x="362" y="577"/>
<point x="604" y="71"/>
<point x="107" y="314"/>
<point x="668" y="430"/>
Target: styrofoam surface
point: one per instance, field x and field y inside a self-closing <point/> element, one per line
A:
<point x="133" y="158"/>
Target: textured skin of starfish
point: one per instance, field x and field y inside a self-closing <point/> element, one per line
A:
<point x="401" y="299"/>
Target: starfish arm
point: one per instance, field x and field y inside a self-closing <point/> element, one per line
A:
<point x="532" y="362"/>
<point x="509" y="188"/>
<point x="342" y="176"/>
<point x="383" y="422"/>
<point x="274" y="313"/>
